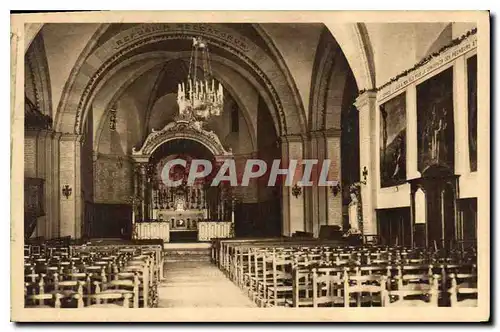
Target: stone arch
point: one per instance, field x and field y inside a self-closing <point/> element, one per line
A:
<point x="37" y="69"/>
<point x="109" y="53"/>
<point x="158" y="59"/>
<point x="115" y="97"/>
<point x="281" y="62"/>
<point x="355" y="44"/>
<point x="352" y="37"/>
<point x="225" y="82"/>
<point x="330" y="73"/>
<point x="180" y="129"/>
<point x="31" y="31"/>
<point x="72" y="79"/>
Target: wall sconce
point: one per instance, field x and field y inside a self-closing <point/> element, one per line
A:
<point x="335" y="189"/>
<point x="296" y="191"/>
<point x="66" y="191"/>
<point x="365" y="175"/>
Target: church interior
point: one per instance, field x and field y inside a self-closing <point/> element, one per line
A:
<point x="393" y="106"/>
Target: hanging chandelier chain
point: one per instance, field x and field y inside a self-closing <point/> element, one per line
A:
<point x="200" y="98"/>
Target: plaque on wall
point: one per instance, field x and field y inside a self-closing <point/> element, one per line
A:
<point x="435" y="128"/>
<point x="472" y="110"/>
<point x="393" y="141"/>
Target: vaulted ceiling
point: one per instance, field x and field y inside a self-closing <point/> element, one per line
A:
<point x="149" y="73"/>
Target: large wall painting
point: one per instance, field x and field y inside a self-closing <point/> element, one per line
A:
<point x="393" y="141"/>
<point x="436" y="139"/>
<point x="472" y="110"/>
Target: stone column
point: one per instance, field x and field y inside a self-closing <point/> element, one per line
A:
<point x="293" y="207"/>
<point x="310" y="192"/>
<point x="44" y="167"/>
<point x="142" y="190"/>
<point x="412" y="145"/>
<point x="69" y="174"/>
<point x="366" y="105"/>
<point x="460" y="117"/>
<point x="333" y="202"/>
<point x="55" y="189"/>
<point x="316" y="196"/>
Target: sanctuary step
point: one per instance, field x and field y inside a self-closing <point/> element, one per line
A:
<point x="187" y="252"/>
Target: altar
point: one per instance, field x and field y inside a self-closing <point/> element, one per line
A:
<point x="168" y="224"/>
<point x="165" y="204"/>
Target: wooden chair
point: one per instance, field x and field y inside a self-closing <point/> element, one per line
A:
<point x="365" y="290"/>
<point x="142" y="272"/>
<point x="109" y="300"/>
<point x="125" y="282"/>
<point x="463" y="291"/>
<point x="413" y="291"/>
<point x="43" y="301"/>
<point x="280" y="287"/>
<point x="301" y="287"/>
<point x="329" y="288"/>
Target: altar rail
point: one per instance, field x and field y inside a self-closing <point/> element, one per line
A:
<point x="208" y="230"/>
<point x="152" y="230"/>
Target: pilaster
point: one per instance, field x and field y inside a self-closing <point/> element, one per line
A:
<point x="333" y="202"/>
<point x="69" y="174"/>
<point x="366" y="105"/>
<point x="292" y="148"/>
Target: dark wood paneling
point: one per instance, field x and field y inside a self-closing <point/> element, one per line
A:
<point x="111" y="220"/>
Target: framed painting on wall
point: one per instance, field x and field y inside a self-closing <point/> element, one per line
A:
<point x="393" y="141"/>
<point x="436" y="141"/>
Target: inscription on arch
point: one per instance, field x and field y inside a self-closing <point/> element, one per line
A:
<point x="146" y="30"/>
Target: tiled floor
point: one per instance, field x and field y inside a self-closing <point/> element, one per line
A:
<point x="199" y="284"/>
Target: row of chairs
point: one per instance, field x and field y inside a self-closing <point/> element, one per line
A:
<point x="295" y="274"/>
<point x="85" y="276"/>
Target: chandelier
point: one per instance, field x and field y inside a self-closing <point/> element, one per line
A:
<point x="200" y="97"/>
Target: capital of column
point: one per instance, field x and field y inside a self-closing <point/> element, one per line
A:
<point x="332" y="132"/>
<point x="139" y="159"/>
<point x="56" y="136"/>
<point x="71" y="137"/>
<point x="365" y="98"/>
<point x="141" y="168"/>
<point x="293" y="138"/>
<point x="317" y="134"/>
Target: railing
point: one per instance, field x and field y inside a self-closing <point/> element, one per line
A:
<point x="208" y="230"/>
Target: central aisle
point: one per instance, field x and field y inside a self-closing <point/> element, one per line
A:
<point x="199" y="284"/>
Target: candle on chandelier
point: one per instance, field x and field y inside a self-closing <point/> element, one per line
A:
<point x="221" y="93"/>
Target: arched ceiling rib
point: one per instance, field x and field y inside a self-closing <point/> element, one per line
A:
<point x="111" y="90"/>
<point x="297" y="44"/>
<point x="105" y="52"/>
<point x="64" y="47"/>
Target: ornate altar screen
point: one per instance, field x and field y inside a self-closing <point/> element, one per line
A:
<point x="182" y="206"/>
<point x="188" y="212"/>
